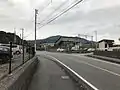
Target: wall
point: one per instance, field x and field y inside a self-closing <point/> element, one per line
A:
<point x="20" y="78"/>
<point x="102" y="45"/>
<point x="112" y="54"/>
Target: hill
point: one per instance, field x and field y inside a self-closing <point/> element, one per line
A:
<point x="54" y="39"/>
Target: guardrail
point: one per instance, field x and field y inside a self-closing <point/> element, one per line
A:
<point x="82" y="83"/>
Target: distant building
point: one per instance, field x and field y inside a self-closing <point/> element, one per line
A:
<point x="105" y="44"/>
<point x="63" y="42"/>
<point x="46" y="44"/>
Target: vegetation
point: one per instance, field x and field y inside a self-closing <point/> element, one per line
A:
<point x="7" y="37"/>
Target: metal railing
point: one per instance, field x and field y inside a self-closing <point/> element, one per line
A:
<point x="15" y="61"/>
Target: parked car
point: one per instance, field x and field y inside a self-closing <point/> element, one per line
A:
<point x="17" y="49"/>
<point x="60" y="50"/>
<point x="4" y="54"/>
<point x="91" y="50"/>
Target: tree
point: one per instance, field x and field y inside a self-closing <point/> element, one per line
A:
<point x="7" y="37"/>
<point x="119" y="39"/>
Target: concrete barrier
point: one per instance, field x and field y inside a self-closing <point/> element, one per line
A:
<point x="20" y="78"/>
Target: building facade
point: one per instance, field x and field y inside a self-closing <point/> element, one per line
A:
<point x="105" y="44"/>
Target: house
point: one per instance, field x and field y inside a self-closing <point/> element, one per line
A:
<point x="65" y="42"/>
<point x="105" y="44"/>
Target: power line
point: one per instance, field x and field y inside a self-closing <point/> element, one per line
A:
<point x="41" y="10"/>
<point x="57" y="16"/>
<point x="45" y="6"/>
<point x="39" y="13"/>
<point x="61" y="5"/>
<point x="58" y="9"/>
<point x="28" y="35"/>
<point x="49" y="14"/>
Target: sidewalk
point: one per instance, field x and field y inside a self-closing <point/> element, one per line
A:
<point x="49" y="76"/>
<point x="114" y="60"/>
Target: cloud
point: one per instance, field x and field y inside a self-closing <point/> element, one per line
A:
<point x="90" y="5"/>
<point x="105" y="21"/>
<point x="90" y="15"/>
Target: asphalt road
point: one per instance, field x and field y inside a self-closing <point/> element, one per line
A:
<point x="49" y="76"/>
<point x="101" y="74"/>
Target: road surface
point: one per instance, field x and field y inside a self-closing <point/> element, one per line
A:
<point x="101" y="74"/>
<point x="49" y="76"/>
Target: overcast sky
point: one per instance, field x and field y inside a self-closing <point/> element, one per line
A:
<point x="102" y="16"/>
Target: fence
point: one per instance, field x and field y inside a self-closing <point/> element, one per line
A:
<point x="15" y="61"/>
<point x="112" y="54"/>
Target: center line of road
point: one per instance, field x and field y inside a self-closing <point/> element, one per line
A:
<point x="99" y="68"/>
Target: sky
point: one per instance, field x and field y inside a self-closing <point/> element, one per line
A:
<point x="87" y="17"/>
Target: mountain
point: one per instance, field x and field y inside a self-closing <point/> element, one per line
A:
<point x="51" y="39"/>
<point x="54" y="39"/>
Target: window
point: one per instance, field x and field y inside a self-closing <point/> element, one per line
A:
<point x="105" y="45"/>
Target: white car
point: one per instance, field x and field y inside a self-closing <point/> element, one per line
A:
<point x="17" y="49"/>
<point x="60" y="50"/>
<point x="91" y="49"/>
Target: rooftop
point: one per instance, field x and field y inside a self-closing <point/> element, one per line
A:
<point x="106" y="40"/>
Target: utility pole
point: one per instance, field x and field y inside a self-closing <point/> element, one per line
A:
<point x="10" y="64"/>
<point x="23" y="43"/>
<point x="96" y="39"/>
<point x="36" y="12"/>
<point x="15" y="36"/>
<point x="20" y="40"/>
<point x="92" y="41"/>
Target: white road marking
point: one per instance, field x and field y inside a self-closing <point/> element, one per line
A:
<point x="74" y="73"/>
<point x="99" y="60"/>
<point x="111" y="72"/>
